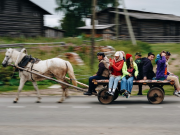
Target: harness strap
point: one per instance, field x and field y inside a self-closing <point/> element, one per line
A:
<point x="31" y="73"/>
<point x="66" y="68"/>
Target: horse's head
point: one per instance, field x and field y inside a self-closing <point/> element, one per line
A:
<point x="8" y="57"/>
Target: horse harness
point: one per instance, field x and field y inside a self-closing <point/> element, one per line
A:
<point x="25" y="61"/>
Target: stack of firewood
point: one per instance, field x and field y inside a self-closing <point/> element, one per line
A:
<point x="74" y="58"/>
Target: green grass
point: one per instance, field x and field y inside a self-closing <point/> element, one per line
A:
<point x="171" y="47"/>
<point x="8" y="88"/>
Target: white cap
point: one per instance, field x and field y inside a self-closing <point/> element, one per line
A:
<point x="117" y="53"/>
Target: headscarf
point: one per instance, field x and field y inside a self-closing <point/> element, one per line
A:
<point x="120" y="56"/>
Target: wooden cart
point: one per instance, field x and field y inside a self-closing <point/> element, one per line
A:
<point x="155" y="94"/>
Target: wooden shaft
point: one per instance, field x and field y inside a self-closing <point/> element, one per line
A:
<point x="80" y="89"/>
<point x="78" y="82"/>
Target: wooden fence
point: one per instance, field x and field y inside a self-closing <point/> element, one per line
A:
<point x="154" y="39"/>
<point x="22" y="45"/>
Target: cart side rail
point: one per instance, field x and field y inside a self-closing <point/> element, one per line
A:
<point x="139" y="82"/>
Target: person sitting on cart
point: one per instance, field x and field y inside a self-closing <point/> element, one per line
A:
<point x="145" y="68"/>
<point x="163" y="74"/>
<point x="115" y="68"/>
<point x="103" y="73"/>
<point x="138" y="62"/>
<point x="130" y="71"/>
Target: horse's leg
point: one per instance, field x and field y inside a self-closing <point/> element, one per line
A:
<point x="22" y="82"/>
<point x="63" y="95"/>
<point x="64" y="88"/>
<point x="66" y="93"/>
<point x="37" y="90"/>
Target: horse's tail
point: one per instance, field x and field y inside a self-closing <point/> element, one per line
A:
<point x="70" y="72"/>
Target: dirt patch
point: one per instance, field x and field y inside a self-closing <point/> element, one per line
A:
<point x="174" y="63"/>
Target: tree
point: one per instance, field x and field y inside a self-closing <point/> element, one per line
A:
<point x="70" y="23"/>
<point x="82" y="7"/>
<point x="78" y="9"/>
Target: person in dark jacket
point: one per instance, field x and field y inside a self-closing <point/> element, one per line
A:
<point x="138" y="62"/>
<point x="146" y="68"/>
<point x="103" y="73"/>
<point x="138" y="58"/>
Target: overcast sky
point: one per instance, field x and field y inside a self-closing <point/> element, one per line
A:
<point x="158" y="6"/>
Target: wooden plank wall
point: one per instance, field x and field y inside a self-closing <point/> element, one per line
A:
<point x="123" y="29"/>
<point x="152" y="28"/>
<point x="53" y="33"/>
<point x="142" y="27"/>
<point x="20" y="19"/>
<point x="103" y="18"/>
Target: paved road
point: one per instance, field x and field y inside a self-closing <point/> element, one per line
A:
<point x="86" y="116"/>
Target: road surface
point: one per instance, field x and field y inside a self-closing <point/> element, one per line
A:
<point x="86" y="116"/>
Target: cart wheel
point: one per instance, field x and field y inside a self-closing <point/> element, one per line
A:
<point x="155" y="95"/>
<point x="116" y="94"/>
<point x="161" y="89"/>
<point x="103" y="97"/>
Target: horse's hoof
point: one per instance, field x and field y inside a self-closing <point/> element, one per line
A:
<point x="14" y="101"/>
<point x="38" y="101"/>
<point x="68" y="97"/>
<point x="59" y="101"/>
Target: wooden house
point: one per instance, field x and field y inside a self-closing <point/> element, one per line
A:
<point x="147" y="26"/>
<point x="103" y="31"/>
<point x="21" y="17"/>
<point x="53" y="32"/>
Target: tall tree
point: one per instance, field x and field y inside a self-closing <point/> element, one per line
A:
<point x="70" y="22"/>
<point x="79" y="9"/>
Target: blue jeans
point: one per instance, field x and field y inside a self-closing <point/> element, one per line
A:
<point x="113" y="80"/>
<point x="127" y="84"/>
<point x="92" y="86"/>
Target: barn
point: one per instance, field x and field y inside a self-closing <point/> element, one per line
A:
<point x="21" y="17"/>
<point x="147" y="26"/>
<point x="53" y="32"/>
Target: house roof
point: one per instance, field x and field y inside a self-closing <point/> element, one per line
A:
<point x="46" y="27"/>
<point x="130" y="10"/>
<point x="97" y="27"/>
<point x="151" y="16"/>
<point x="43" y="10"/>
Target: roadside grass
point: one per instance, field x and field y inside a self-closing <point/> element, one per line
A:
<point x="8" y="88"/>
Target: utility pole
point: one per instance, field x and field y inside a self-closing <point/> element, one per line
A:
<point x="93" y="33"/>
<point x="130" y="29"/>
<point x="117" y="19"/>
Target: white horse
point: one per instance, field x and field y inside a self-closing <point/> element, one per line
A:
<point x="54" y="67"/>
